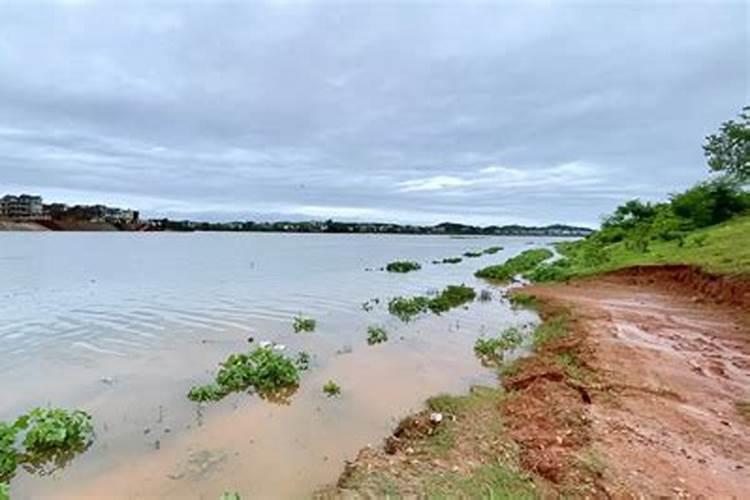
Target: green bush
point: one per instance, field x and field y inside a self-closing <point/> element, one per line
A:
<point x="710" y="203"/>
<point x="376" y="335"/>
<point x="265" y="369"/>
<point x="403" y="266"/>
<point x="304" y="324"/>
<point x="519" y="264"/>
<point x="8" y="459"/>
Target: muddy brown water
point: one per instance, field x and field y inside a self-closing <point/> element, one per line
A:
<point x="122" y="325"/>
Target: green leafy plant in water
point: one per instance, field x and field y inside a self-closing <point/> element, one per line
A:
<point x="492" y="350"/>
<point x="265" y="369"/>
<point x="492" y="250"/>
<point x="302" y="324"/>
<point x="403" y="266"/>
<point x="450" y="297"/>
<point x="376" y="335"/>
<point x="302" y="361"/>
<point x="331" y="389"/>
<point x="452" y="260"/>
<point x="41" y="437"/>
<point x="473" y="255"/>
<point x="406" y="308"/>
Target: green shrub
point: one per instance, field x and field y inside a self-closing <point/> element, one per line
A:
<point x="521" y="263"/>
<point x="406" y="308"/>
<point x="265" y="369"/>
<point x="710" y="203"/>
<point x="376" y="335"/>
<point x="331" y="389"/>
<point x="403" y="266"/>
<point x="304" y="324"/>
<point x="450" y="297"/>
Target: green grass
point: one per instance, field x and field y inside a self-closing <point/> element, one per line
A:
<point x="720" y="249"/>
<point x="450" y="297"/>
<point x="376" y="335"/>
<point x="551" y="329"/>
<point x="331" y="389"/>
<point x="265" y="369"/>
<point x="492" y="350"/>
<point x="406" y="308"/>
<point x="302" y="324"/>
<point x="455" y="405"/>
<point x="493" y="481"/>
<point x="403" y="266"/>
<point x="523" y="300"/>
<point x="519" y="264"/>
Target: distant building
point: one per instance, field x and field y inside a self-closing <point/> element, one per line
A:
<point x="21" y="207"/>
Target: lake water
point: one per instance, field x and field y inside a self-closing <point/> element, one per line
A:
<point x="123" y="324"/>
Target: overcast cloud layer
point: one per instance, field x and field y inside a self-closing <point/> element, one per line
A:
<point x="487" y="113"/>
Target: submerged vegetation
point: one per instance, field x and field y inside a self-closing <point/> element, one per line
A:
<point x="519" y="264"/>
<point x="406" y="308"/>
<point x="492" y="350"/>
<point x="331" y="389"/>
<point x="302" y="324"/>
<point x="266" y="370"/>
<point x="403" y="266"/>
<point x="376" y="335"/>
<point x="449" y="260"/>
<point x="492" y="250"/>
<point x="42" y="436"/>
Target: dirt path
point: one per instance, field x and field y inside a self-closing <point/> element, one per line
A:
<point x="669" y="412"/>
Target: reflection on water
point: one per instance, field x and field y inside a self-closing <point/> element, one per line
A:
<point x="122" y="325"/>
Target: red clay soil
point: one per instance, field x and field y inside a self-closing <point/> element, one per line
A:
<point x="658" y="406"/>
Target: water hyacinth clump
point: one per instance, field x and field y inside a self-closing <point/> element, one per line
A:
<point x="376" y="335"/>
<point x="492" y="250"/>
<point x="266" y="370"/>
<point x="44" y="435"/>
<point x="302" y="324"/>
<point x="406" y="308"/>
<point x="473" y="255"/>
<point x="403" y="266"/>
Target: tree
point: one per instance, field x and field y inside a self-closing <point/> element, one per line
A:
<point x="728" y="150"/>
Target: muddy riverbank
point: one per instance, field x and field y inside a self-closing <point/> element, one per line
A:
<point x="645" y="393"/>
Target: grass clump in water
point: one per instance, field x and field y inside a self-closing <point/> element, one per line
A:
<point x="47" y="435"/>
<point x="450" y="297"/>
<point x="376" y="335"/>
<point x="265" y="369"/>
<point x="302" y="324"/>
<point x="473" y="255"/>
<point x="331" y="389"/>
<point x="519" y="264"/>
<point x="492" y="250"/>
<point x="406" y="308"/>
<point x="451" y="260"/>
<point x="523" y="300"/>
<point x="403" y="266"/>
<point x="492" y="350"/>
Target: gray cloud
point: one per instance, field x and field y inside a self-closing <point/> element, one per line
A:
<point x="532" y="112"/>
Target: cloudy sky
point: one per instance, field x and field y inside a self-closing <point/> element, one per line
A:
<point x="419" y="111"/>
